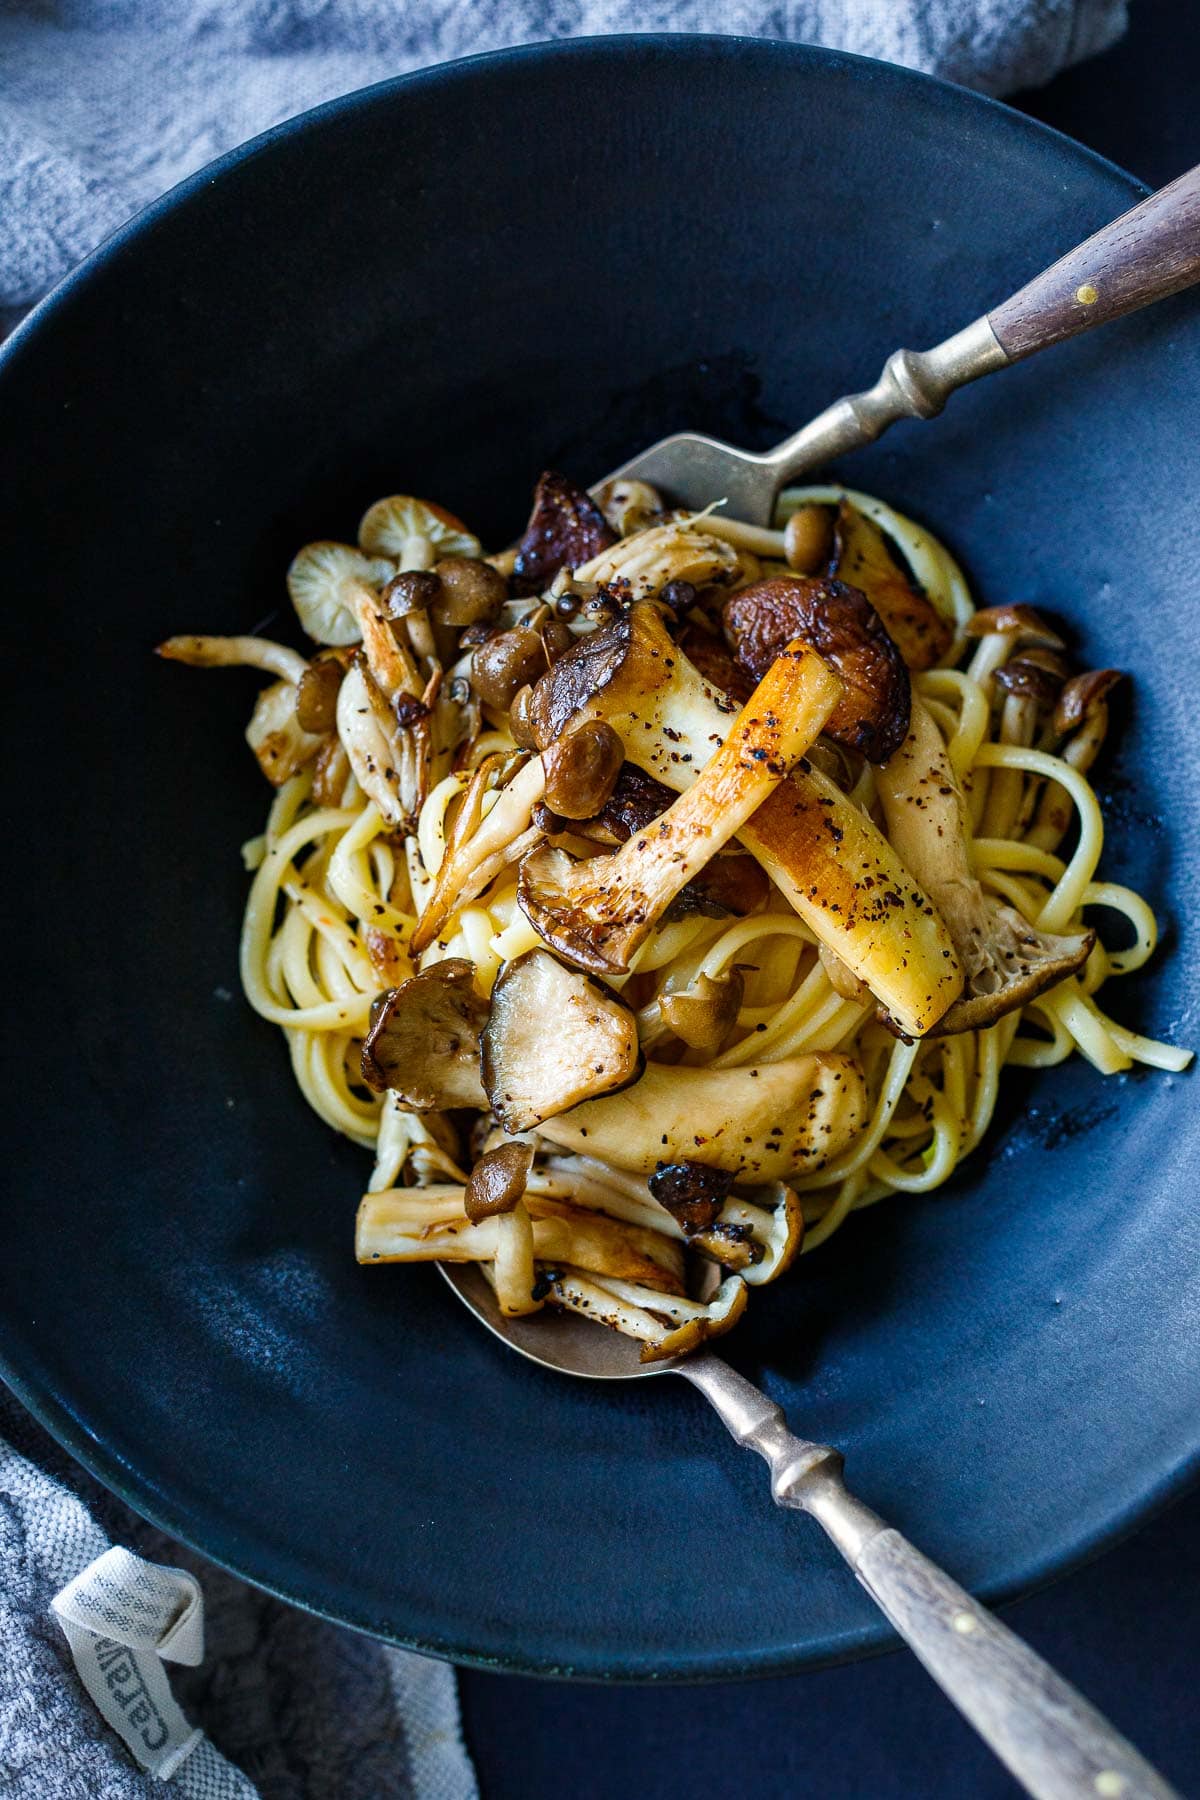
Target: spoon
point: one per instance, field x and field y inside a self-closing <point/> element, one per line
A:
<point x="1149" y="252"/>
<point x="1057" y="1745"/>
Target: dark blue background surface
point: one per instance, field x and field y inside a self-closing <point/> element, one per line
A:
<point x="1126" y="1629"/>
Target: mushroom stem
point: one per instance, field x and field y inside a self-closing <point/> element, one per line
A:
<point x="1007" y="961"/>
<point x="235" y="652"/>
<point x="478" y="847"/>
<point x="600" y="912"/>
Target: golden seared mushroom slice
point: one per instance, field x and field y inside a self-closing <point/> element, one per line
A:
<point x="867" y="559"/>
<point x="834" y="866"/>
<point x="554" y="1038"/>
<point x="599" y="912"/>
<point x="423" y="1043"/>
<point x="566" y="528"/>
<point x="841" y="625"/>
<point x="760" y="1123"/>
<point x="1007" y="961"/>
<point x="414" y="532"/>
<point x="321" y="583"/>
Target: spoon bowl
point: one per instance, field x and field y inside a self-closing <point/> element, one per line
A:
<point x="556" y="1340"/>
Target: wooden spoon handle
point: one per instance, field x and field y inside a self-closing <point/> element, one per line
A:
<point x="1149" y="252"/>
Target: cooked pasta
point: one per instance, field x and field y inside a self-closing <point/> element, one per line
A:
<point x="717" y="905"/>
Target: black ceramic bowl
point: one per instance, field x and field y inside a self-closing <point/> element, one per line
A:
<point x="439" y="286"/>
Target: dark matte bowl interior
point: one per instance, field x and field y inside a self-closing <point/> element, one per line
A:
<point x="440" y="286"/>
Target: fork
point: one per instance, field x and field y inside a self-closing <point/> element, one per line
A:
<point x="1148" y="253"/>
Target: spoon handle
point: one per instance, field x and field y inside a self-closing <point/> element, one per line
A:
<point x="1149" y="252"/>
<point x="1056" y="1744"/>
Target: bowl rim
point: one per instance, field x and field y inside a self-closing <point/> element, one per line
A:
<point x="50" y="1409"/>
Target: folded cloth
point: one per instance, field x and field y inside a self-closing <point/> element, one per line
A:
<point x="104" y="104"/>
<point x="292" y="1708"/>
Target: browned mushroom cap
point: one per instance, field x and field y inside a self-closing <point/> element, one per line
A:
<point x="497" y="1181"/>
<point x="704" y="1014"/>
<point x="724" y="1310"/>
<point x="867" y="559"/>
<point x="555" y="1038"/>
<point x="424" y="1039"/>
<point x="1016" y="621"/>
<point x="1008" y="962"/>
<point x="582" y="769"/>
<point x="842" y="626"/>
<point x="1036" y="675"/>
<point x="505" y="664"/>
<point x="692" y="1192"/>
<point x="471" y="591"/>
<point x="566" y="528"/>
<point x="1083" y="696"/>
<point x="714" y="662"/>
<point x="317" y="694"/>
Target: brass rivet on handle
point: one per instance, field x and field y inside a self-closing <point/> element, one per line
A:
<point x="1086" y="295"/>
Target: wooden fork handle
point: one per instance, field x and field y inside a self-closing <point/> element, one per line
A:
<point x="1149" y="252"/>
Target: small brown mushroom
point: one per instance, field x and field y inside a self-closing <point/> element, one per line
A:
<point x="471" y="591"/>
<point x="316" y="695"/>
<point x="1083" y="709"/>
<point x="507" y="662"/>
<point x="554" y="1038"/>
<point x="497" y="1181"/>
<point x="566" y="528"/>
<point x="424" y="1039"/>
<point x="582" y="770"/>
<point x="412" y="591"/>
<point x="808" y="538"/>
<point x="1016" y="621"/>
<point x="704" y="1015"/>
<point x="841" y="625"/>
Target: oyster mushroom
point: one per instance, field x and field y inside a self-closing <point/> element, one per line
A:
<point x="388" y="745"/>
<point x="842" y="626"/>
<point x="478" y="846"/>
<point x="599" y="912"/>
<point x="566" y="528"/>
<point x="834" y="866"/>
<point x="423" y="1043"/>
<point x="1007" y="961"/>
<point x="652" y="560"/>
<point x="276" y="736"/>
<point x="320" y="581"/>
<point x="553" y="1039"/>
<point x="759" y="1123"/>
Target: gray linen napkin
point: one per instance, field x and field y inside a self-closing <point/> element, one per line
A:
<point x="104" y="104"/>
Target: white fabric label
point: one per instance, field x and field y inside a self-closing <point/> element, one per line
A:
<point x="122" y="1616"/>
